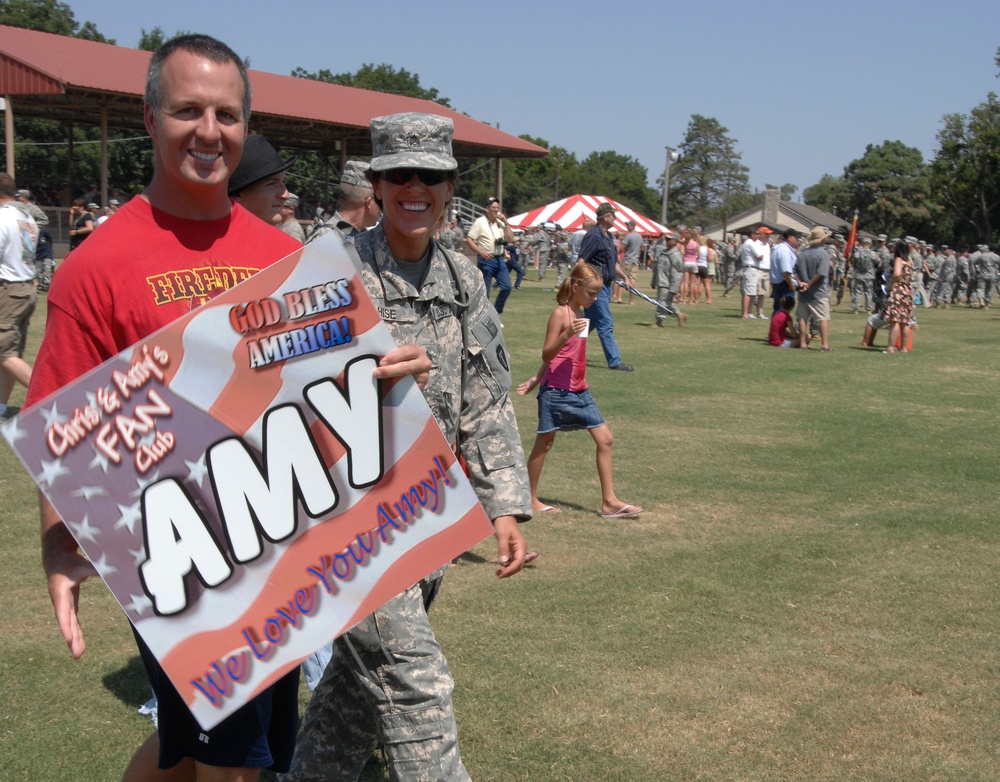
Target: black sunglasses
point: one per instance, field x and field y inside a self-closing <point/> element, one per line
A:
<point x="400" y="176"/>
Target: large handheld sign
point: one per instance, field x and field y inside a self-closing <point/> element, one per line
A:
<point x="244" y="486"/>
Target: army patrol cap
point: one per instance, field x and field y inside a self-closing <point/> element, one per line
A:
<point x="838" y="237"/>
<point x="22" y="194"/>
<point x="882" y="237"/>
<point x="354" y="174"/>
<point x="412" y="140"/>
<point x="604" y="209"/>
<point x="866" y="240"/>
<point x="292" y="201"/>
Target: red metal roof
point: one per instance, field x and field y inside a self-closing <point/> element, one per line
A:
<point x="68" y="78"/>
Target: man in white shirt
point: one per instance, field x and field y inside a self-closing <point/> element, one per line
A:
<point x="18" y="238"/>
<point x="763" y="269"/>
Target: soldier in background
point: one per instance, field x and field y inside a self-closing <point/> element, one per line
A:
<point x="544" y="251"/>
<point x="945" y="282"/>
<point x="838" y="266"/>
<point x="883" y="265"/>
<point x="986" y="276"/>
<point x="356" y="210"/>
<point x="667" y="275"/>
<point x="729" y="258"/>
<point x="289" y="223"/>
<point x="564" y="257"/>
<point x="863" y="265"/>
<point x="961" y="280"/>
<point x="44" y="259"/>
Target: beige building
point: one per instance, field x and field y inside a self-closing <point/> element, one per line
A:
<point x="779" y="215"/>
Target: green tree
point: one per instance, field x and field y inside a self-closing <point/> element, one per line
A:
<point x="527" y="183"/>
<point x="616" y="176"/>
<point x="379" y="78"/>
<point x="891" y="189"/>
<point x="966" y="171"/>
<point x="152" y="40"/>
<point x="831" y="194"/>
<point x="709" y="180"/>
<point x="788" y="190"/>
<point x="48" y="16"/>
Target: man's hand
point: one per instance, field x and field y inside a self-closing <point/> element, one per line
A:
<point x="511" y="546"/>
<point x="405" y="360"/>
<point x="65" y="569"/>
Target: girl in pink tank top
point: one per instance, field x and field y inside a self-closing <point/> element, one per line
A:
<point x="564" y="403"/>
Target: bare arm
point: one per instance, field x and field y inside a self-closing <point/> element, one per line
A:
<point x="511" y="546"/>
<point x="65" y="569"/>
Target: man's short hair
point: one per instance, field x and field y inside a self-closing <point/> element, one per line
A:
<point x="202" y="46"/>
<point x="7" y="186"/>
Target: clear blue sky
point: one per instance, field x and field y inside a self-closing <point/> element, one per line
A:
<point x="802" y="86"/>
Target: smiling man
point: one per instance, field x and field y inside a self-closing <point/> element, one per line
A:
<point x="165" y="252"/>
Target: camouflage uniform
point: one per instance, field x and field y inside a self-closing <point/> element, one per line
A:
<point x="838" y="267"/>
<point x="43" y="260"/>
<point x="961" y="278"/>
<point x="564" y="258"/>
<point x="667" y="274"/>
<point x="917" y="279"/>
<point x="945" y="279"/>
<point x="388" y="682"/>
<point x="729" y="258"/>
<point x="544" y="245"/>
<point x="882" y="267"/>
<point x="863" y="263"/>
<point x="986" y="276"/>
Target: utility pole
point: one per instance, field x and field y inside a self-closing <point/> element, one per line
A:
<point x="672" y="157"/>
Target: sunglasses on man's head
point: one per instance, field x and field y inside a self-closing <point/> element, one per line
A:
<point x="400" y="176"/>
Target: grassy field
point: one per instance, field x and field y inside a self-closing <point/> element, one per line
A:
<point x="811" y="595"/>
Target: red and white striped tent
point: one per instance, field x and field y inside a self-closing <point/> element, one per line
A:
<point x="569" y="214"/>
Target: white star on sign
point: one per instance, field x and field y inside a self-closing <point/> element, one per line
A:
<point x="89" y="492"/>
<point x="143" y="483"/>
<point x="139" y="604"/>
<point x="51" y="471"/>
<point x="12" y="431"/>
<point x="130" y="515"/>
<point x="138" y="555"/>
<point x="84" y="530"/>
<point x="196" y="471"/>
<point x="101" y="563"/>
<point x="100" y="460"/>
<point x="53" y="416"/>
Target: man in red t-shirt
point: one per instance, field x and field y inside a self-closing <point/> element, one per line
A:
<point x="166" y="251"/>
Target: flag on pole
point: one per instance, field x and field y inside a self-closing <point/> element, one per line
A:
<point x="853" y="238"/>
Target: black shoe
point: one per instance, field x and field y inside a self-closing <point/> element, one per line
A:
<point x="9" y="413"/>
<point x="622" y="368"/>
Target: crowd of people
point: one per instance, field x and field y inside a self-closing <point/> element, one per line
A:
<point x="218" y="194"/>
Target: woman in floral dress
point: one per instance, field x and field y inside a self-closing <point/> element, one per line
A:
<point x="899" y="306"/>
